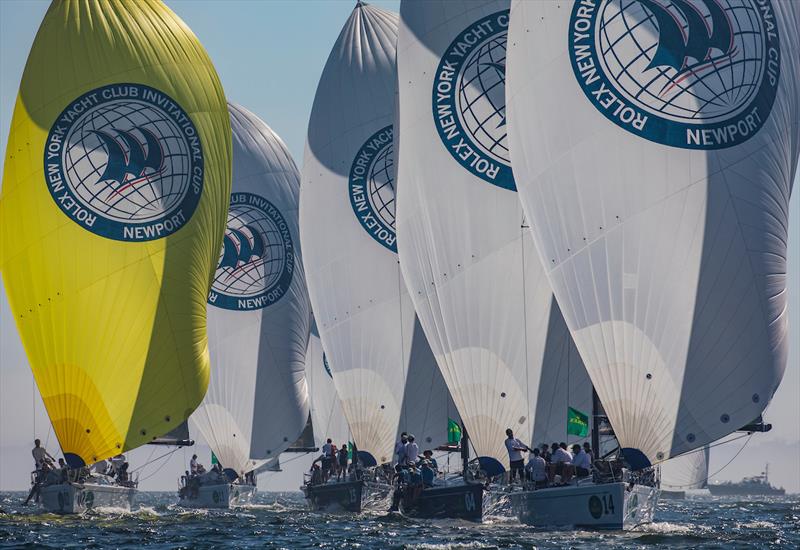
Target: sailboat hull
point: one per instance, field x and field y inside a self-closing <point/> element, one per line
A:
<point x="222" y="495"/>
<point x="463" y="501"/>
<point x="73" y="498"/>
<point x="348" y="496"/>
<point x="616" y="506"/>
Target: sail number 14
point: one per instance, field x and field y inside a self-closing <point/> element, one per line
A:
<point x="601" y="505"/>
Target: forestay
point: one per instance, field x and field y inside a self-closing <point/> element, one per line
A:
<point x="655" y="144"/>
<point x="258" y="312"/>
<point x="363" y="313"/>
<point x="115" y="192"/>
<point x="467" y="257"/>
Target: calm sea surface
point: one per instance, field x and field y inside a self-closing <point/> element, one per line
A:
<point x="279" y="520"/>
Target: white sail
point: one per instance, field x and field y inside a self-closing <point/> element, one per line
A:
<point x="656" y="145"/>
<point x="467" y="257"/>
<point x="686" y="472"/>
<point x="327" y="415"/>
<point x="427" y="406"/>
<point x="258" y="312"/>
<point x="364" y="315"/>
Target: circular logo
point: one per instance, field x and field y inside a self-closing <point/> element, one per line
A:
<point x="125" y="162"/>
<point x="595" y="507"/>
<point x="469" y="100"/>
<point x="371" y="187"/>
<point x="256" y="262"/>
<point x="696" y="74"/>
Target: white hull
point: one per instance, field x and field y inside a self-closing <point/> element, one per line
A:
<point x="74" y="498"/>
<point x="602" y="506"/>
<point x="224" y="495"/>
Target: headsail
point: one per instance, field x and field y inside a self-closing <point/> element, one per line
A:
<point x="362" y="310"/>
<point x="327" y="416"/>
<point x="467" y="257"/>
<point x="107" y="273"/>
<point x="257" y="401"/>
<point x="686" y="472"/>
<point x="662" y="220"/>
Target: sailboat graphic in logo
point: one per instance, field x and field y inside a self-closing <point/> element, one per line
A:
<point x="137" y="163"/>
<point x="696" y="74"/>
<point x="677" y="46"/>
<point x="238" y="250"/>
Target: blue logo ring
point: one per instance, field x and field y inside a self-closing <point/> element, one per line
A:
<point x="256" y="262"/>
<point x="371" y="187"/>
<point x="468" y="99"/>
<point x="707" y="81"/>
<point x="125" y="162"/>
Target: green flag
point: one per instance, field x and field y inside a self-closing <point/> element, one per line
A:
<point x="214" y="458"/>
<point x="350" y="450"/>
<point x="453" y="432"/>
<point x="577" y="423"/>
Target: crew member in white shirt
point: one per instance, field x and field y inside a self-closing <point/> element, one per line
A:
<point x="412" y="450"/>
<point x="559" y="459"/>
<point x="580" y="462"/>
<point x="537" y="469"/>
<point x="40" y="454"/>
<point x="400" y="448"/>
<point x="515" y="448"/>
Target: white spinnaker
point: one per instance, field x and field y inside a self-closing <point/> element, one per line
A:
<point x="686" y="472"/>
<point x="327" y="415"/>
<point x="668" y="262"/>
<point x="257" y="400"/>
<point x="427" y="404"/>
<point x="467" y="258"/>
<point x="364" y="315"/>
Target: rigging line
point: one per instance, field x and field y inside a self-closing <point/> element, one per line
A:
<point x="155" y="459"/>
<point x="522" y="228"/>
<point x="709" y="476"/>
<point x="402" y="336"/>
<point x="160" y="467"/>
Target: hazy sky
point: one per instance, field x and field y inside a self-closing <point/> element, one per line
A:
<point x="269" y="55"/>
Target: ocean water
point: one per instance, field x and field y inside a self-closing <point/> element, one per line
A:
<point x="280" y="520"/>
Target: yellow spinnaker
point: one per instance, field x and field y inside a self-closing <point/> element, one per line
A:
<point x="115" y="196"/>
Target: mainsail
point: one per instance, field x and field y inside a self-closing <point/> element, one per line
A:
<point x="364" y="315"/>
<point x="686" y="472"/>
<point x="107" y="273"/>
<point x="258" y="312"/>
<point x="327" y="416"/>
<point x="467" y="257"/>
<point x="662" y="221"/>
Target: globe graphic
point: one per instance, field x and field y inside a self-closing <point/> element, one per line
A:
<point x="482" y="99"/>
<point x="381" y="185"/>
<point x="705" y="91"/>
<point x="139" y="198"/>
<point x="253" y="275"/>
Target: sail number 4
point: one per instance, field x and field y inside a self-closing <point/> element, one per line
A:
<point x="601" y="505"/>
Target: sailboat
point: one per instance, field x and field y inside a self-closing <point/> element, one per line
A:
<point x="683" y="473"/>
<point x="114" y="200"/>
<point x="660" y="213"/>
<point x="258" y="323"/>
<point x="467" y="257"/>
<point x="363" y="311"/>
